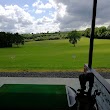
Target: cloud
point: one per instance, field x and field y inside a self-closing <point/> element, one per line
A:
<point x="78" y="14"/>
<point x="13" y="18"/>
<point x="103" y="12"/>
<point x="51" y="27"/>
<point x="53" y="15"/>
<point x="26" y="6"/>
<point x="45" y="20"/>
<point x="39" y="11"/>
<point x="45" y="24"/>
<point x="74" y="15"/>
<point x="61" y="10"/>
<point x="40" y="5"/>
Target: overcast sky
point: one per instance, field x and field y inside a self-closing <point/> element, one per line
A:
<point x="34" y="16"/>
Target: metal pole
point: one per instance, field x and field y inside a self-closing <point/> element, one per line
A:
<point x="92" y="34"/>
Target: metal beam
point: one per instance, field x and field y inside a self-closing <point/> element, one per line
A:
<point x="92" y="34"/>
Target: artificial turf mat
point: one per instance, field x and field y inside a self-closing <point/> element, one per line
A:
<point x="48" y="97"/>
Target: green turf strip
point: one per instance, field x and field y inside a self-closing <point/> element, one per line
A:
<point x="33" y="96"/>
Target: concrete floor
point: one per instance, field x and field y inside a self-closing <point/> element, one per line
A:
<point x="72" y="82"/>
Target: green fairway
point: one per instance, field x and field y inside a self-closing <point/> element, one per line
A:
<point x="54" y="55"/>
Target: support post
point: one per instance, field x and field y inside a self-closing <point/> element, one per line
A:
<point x="92" y="34"/>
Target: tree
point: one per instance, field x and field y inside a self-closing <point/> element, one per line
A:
<point x="96" y="32"/>
<point x="18" y="39"/>
<point x="87" y="32"/>
<point x="74" y="36"/>
<point x="101" y="31"/>
<point x="108" y="28"/>
<point x="106" y="35"/>
<point x="7" y="39"/>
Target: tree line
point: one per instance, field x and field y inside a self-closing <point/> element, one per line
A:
<point x="8" y="39"/>
<point x="45" y="36"/>
<point x="100" y="32"/>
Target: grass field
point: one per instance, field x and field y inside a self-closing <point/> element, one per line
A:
<point x="55" y="55"/>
